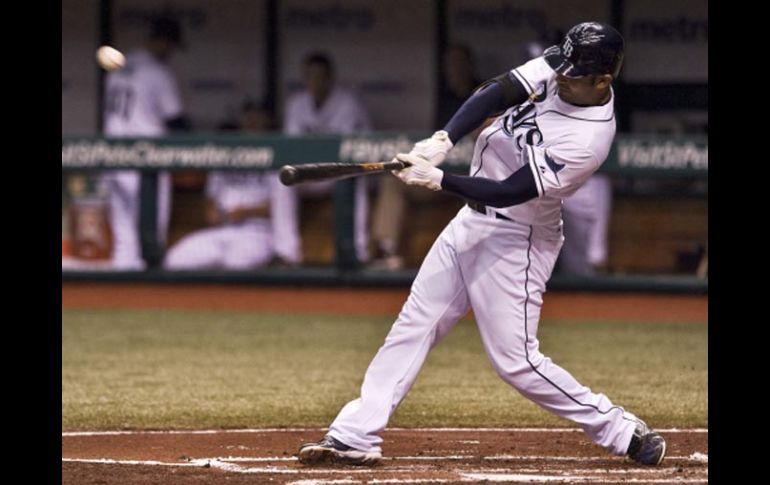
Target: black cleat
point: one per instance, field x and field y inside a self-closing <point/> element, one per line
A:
<point x="647" y="447"/>
<point x="331" y="451"/>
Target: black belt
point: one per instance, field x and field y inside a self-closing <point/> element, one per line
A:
<point x="481" y="208"/>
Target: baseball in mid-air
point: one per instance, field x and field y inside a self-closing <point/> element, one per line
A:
<point x="110" y="58"/>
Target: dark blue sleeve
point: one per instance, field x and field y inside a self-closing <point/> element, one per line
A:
<point x="492" y="97"/>
<point x="516" y="189"/>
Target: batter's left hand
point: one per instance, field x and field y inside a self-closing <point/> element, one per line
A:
<point x="422" y="172"/>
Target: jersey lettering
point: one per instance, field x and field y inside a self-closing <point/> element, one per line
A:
<point x="521" y="124"/>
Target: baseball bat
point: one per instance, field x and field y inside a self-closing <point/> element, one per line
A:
<point x="295" y="174"/>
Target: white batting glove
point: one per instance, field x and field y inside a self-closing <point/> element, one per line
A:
<point x="422" y="172"/>
<point x="433" y="149"/>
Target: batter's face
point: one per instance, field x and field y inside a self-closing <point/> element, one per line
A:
<point x="584" y="91"/>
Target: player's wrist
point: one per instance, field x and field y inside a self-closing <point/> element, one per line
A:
<point x="436" y="177"/>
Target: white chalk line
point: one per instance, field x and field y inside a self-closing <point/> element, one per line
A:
<point x="509" y="477"/>
<point x="107" y="461"/>
<point x="656" y="475"/>
<point x="321" y="430"/>
<point x="522" y="478"/>
<point x="695" y="457"/>
<point x="517" y="478"/>
<point x="229" y="463"/>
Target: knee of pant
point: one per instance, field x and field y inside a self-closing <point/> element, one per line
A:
<point x="515" y="369"/>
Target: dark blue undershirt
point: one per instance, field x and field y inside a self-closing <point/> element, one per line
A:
<point x="475" y="110"/>
<point x="495" y="97"/>
<point x="516" y="189"/>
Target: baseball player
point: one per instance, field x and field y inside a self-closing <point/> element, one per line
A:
<point x="585" y="213"/>
<point x="239" y="209"/>
<point x="141" y="100"/>
<point x="495" y="256"/>
<point x="322" y="108"/>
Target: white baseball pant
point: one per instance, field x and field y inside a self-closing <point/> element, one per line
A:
<point x="499" y="269"/>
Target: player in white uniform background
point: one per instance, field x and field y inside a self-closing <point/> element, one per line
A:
<point x="322" y="108"/>
<point x="238" y="209"/>
<point x="241" y="236"/>
<point x="496" y="255"/>
<point x="141" y="100"/>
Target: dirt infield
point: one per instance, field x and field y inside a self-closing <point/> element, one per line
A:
<point x="352" y="301"/>
<point x="410" y="456"/>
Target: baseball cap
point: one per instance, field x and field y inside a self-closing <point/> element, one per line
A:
<point x="587" y="48"/>
<point x="167" y="28"/>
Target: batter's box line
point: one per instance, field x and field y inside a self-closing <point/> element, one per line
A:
<point x="566" y="476"/>
<point x="572" y="476"/>
<point x="697" y="457"/>
<point x="232" y="460"/>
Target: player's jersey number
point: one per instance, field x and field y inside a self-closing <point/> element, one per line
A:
<point x="120" y="101"/>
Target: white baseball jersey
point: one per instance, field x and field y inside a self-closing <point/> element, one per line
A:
<point x="234" y="246"/>
<point x="585" y="213"/>
<point x="562" y="143"/>
<point x="499" y="268"/>
<point x="341" y="114"/>
<point x="138" y="100"/>
<point x="586" y="216"/>
<point x="233" y="189"/>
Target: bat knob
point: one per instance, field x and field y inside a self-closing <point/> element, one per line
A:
<point x="288" y="175"/>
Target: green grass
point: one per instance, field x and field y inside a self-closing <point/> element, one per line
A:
<point x="164" y="370"/>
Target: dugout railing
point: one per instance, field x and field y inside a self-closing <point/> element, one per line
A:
<point x="631" y="157"/>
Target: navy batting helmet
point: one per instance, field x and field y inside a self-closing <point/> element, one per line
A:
<point x="588" y="48"/>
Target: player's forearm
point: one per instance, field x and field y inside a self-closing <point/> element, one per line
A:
<point x="516" y="189"/>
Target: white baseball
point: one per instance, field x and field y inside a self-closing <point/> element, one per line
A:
<point x="110" y="58"/>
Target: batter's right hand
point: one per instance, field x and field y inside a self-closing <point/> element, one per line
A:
<point x="420" y="173"/>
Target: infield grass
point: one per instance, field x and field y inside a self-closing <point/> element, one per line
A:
<point x="176" y="370"/>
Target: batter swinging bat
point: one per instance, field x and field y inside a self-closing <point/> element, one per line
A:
<point x="295" y="174"/>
